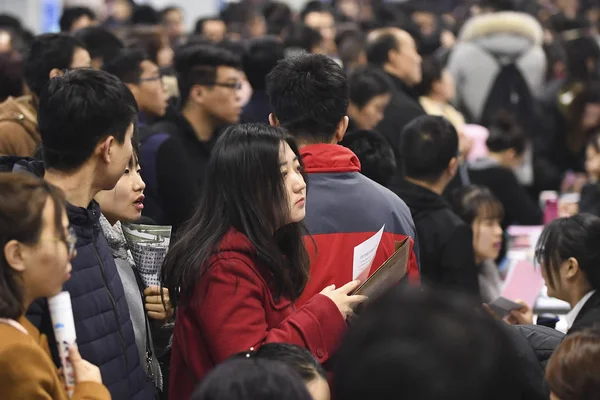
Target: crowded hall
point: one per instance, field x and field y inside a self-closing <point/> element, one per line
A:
<point x="300" y="199"/>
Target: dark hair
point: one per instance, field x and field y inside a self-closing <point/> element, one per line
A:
<point x="309" y="94"/>
<point x="99" y="42"/>
<point x="472" y="202"/>
<point x="427" y="144"/>
<point x="9" y="21"/>
<point x="426" y="351"/>
<point x="77" y="111"/>
<point x="315" y="6"/>
<point x="145" y="15"/>
<point x="127" y="65"/>
<point x="251" y="378"/>
<point x="278" y="16"/>
<point x="506" y="134"/>
<point x="237" y="17"/>
<point x="377" y="160"/>
<point x="573" y="371"/>
<point x="378" y="49"/>
<point x="262" y="56"/>
<point x="197" y="65"/>
<point x="299" y="358"/>
<point x="148" y="38"/>
<point x="367" y="83"/>
<point x="22" y="200"/>
<point x="47" y="52"/>
<point x="72" y="14"/>
<point x="350" y="44"/>
<point x="594" y="141"/>
<point x="247" y="158"/>
<point x="432" y="70"/>
<point x="11" y="75"/>
<point x="199" y="29"/>
<point x="579" y="51"/>
<point x="578" y="237"/>
<point x="168" y="9"/>
<point x="302" y="37"/>
<point x="500" y="5"/>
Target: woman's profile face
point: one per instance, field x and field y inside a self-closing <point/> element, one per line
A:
<point x="319" y="389"/>
<point x="294" y="183"/>
<point x="125" y="201"/>
<point x="487" y="238"/>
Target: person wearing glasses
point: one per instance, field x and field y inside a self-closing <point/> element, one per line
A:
<point x="175" y="154"/>
<point x="37" y="249"/>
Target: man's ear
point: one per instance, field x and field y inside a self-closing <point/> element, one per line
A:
<point x="273" y="121"/>
<point x="197" y="93"/>
<point x="104" y="149"/>
<point x="341" y="129"/>
<point x="452" y="167"/>
<point x="54" y="72"/>
<point x="14" y="255"/>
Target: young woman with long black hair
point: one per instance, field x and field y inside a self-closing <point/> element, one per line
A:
<point x="240" y="261"/>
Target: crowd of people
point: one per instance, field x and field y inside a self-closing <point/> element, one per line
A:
<point x="272" y="144"/>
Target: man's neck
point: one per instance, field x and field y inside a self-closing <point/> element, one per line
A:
<point x="201" y="123"/>
<point x="437" y="187"/>
<point x="77" y="186"/>
<point x="496" y="157"/>
<point x="391" y="71"/>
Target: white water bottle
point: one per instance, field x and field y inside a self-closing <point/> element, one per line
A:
<point x="64" y="332"/>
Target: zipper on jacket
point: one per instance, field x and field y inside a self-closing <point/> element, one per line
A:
<point x="112" y="300"/>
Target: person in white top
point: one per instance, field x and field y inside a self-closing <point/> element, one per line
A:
<point x="569" y="254"/>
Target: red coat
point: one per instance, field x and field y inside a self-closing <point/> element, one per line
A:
<point x="233" y="309"/>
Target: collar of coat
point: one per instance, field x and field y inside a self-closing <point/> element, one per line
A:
<point x="503" y="22"/>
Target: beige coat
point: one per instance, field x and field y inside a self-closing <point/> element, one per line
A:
<point x="19" y="134"/>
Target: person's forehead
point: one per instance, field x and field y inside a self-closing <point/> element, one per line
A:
<point x="214" y="24"/>
<point x="228" y="72"/>
<point x="318" y="17"/>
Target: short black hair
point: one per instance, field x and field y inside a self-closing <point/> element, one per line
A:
<point x="262" y="56"/>
<point x="168" y="9"/>
<point x="427" y="144"/>
<point x="378" y="49"/>
<point x="199" y="29"/>
<point x="77" y="111"/>
<point x="251" y="378"/>
<point x="145" y="15"/>
<point x="377" y="160"/>
<point x="302" y="37"/>
<point x="299" y="358"/>
<point x="350" y="44"/>
<point x="432" y="71"/>
<point x="472" y="202"/>
<point x="100" y="42"/>
<point x="309" y="94"/>
<point x="278" y="17"/>
<point x="237" y="16"/>
<point x="48" y="51"/>
<point x="316" y="6"/>
<point x="426" y="351"/>
<point x="198" y="64"/>
<point x="72" y="14"/>
<point x="576" y="237"/>
<point x="127" y="65"/>
<point x="500" y="5"/>
<point x="366" y="83"/>
<point x="11" y="75"/>
<point x="505" y="134"/>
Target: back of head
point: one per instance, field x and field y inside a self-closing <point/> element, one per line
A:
<point x="500" y="5"/>
<point x="47" y="52"/>
<point x="251" y="378"/>
<point x="315" y="6"/>
<point x="102" y="44"/>
<point x="309" y="94"/>
<point x="432" y="70"/>
<point x="262" y="56"/>
<point x="145" y="15"/>
<point x="296" y="357"/>
<point x="71" y="14"/>
<point x="582" y="52"/>
<point x="148" y="38"/>
<point x="573" y="371"/>
<point x="73" y="116"/>
<point x="427" y="145"/>
<point x="379" y="43"/>
<point x="197" y="64"/>
<point x="11" y="75"/>
<point x="377" y="160"/>
<point x="366" y="83"/>
<point x="127" y="65"/>
<point x="278" y="16"/>
<point x="426" y="351"/>
<point x="302" y="37"/>
<point x="351" y="45"/>
<point x="577" y="237"/>
<point x="506" y="134"/>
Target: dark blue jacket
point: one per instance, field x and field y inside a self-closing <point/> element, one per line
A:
<point x="102" y="322"/>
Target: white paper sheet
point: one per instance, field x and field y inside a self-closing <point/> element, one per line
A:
<point x="364" y="254"/>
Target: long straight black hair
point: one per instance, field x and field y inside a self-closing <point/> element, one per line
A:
<point x="244" y="189"/>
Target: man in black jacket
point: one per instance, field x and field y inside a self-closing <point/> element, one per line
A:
<point x="429" y="148"/>
<point x="395" y="52"/>
<point x="86" y="121"/>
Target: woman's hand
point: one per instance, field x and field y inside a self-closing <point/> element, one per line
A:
<point x="84" y="371"/>
<point x="154" y="305"/>
<point x="345" y="303"/>
<point x="522" y="316"/>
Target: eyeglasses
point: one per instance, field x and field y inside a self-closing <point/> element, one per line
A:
<point x="231" y="85"/>
<point x="70" y="241"/>
<point x="151" y="79"/>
